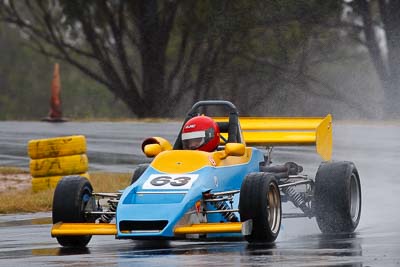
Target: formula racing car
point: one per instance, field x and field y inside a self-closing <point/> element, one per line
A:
<point x="233" y="191"/>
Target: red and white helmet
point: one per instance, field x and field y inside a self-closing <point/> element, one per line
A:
<point x="201" y="133"/>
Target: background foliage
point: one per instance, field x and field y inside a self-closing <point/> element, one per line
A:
<point x="149" y="58"/>
<point x="25" y="80"/>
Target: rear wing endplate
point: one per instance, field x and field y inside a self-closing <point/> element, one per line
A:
<point x="266" y="131"/>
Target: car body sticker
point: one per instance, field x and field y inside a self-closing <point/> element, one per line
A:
<point x="170" y="181"/>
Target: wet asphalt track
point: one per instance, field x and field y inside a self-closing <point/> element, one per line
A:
<point x="25" y="239"/>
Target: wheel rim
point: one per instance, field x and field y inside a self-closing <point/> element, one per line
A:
<point x="274" y="208"/>
<point x="85" y="200"/>
<point x="355" y="198"/>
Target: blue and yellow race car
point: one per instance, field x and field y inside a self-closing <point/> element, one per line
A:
<point x="233" y="191"/>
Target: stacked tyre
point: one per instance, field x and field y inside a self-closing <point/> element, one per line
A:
<point x="53" y="158"/>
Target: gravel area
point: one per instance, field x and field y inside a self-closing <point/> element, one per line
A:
<point x="19" y="181"/>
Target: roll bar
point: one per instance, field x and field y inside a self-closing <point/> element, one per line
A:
<point x="232" y="108"/>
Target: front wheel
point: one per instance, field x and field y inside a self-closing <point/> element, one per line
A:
<point x="72" y="197"/>
<point x="337" y="197"/>
<point x="260" y="201"/>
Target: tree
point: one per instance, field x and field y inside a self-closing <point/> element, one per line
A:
<point x="157" y="55"/>
<point x="381" y="35"/>
<point x="25" y="79"/>
<point x="144" y="51"/>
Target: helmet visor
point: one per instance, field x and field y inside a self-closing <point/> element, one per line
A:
<point x="193" y="140"/>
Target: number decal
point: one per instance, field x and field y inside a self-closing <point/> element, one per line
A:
<point x="170" y="181"/>
<point x="160" y="181"/>
<point x="179" y="181"/>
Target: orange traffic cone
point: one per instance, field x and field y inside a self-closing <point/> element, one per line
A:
<point x="55" y="114"/>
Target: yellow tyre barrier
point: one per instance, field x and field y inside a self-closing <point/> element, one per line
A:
<point x="43" y="183"/>
<point x="57" y="147"/>
<point x="39" y="184"/>
<point x="59" y="166"/>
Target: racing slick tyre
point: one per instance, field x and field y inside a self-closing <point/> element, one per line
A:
<point x="57" y="147"/>
<point x="260" y="201"/>
<point x="140" y="169"/>
<point x="337" y="197"/>
<point x="72" y="197"/>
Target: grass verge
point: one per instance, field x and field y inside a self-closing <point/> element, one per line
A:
<point x="12" y="170"/>
<point x="22" y="201"/>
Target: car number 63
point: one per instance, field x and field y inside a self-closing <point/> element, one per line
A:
<point x="163" y="180"/>
<point x="170" y="181"/>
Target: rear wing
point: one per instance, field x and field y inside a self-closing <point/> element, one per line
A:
<point x="265" y="131"/>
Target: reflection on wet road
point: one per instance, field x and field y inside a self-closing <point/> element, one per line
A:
<point x="30" y="243"/>
<point x="375" y="149"/>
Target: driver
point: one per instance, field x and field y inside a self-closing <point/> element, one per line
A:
<point x="200" y="133"/>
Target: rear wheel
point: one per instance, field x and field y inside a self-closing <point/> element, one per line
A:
<point x="260" y="202"/>
<point x="337" y="197"/>
<point x="72" y="197"/>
